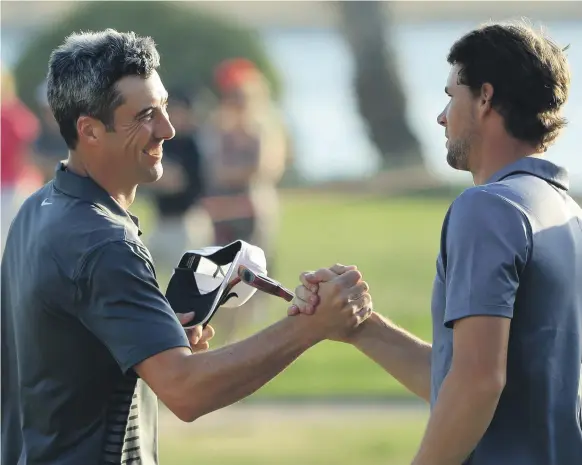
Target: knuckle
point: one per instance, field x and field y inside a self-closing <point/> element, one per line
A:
<point x="336" y="286"/>
<point x="353" y="276"/>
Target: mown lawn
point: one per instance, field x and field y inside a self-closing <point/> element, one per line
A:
<point x="394" y="242"/>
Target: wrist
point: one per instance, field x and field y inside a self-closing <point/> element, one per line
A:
<point x="365" y="331"/>
<point x="305" y="332"/>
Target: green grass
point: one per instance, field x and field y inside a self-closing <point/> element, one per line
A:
<point x="338" y="439"/>
<point x="394" y="243"/>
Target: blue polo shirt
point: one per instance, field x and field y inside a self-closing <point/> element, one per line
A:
<point x="512" y="248"/>
<point x="80" y="308"/>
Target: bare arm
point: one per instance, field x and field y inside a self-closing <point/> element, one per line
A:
<point x="192" y="385"/>
<point x="470" y="392"/>
<point x="403" y="355"/>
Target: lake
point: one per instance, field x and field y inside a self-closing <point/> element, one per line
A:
<point x="330" y="139"/>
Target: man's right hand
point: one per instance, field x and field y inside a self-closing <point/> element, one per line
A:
<point x="341" y="297"/>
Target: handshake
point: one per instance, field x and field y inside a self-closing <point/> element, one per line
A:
<point x="334" y="302"/>
<point x="330" y="303"/>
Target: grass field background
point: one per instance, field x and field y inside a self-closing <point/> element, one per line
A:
<point x="305" y="437"/>
<point x="394" y="242"/>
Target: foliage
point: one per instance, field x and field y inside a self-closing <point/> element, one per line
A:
<point x="191" y="42"/>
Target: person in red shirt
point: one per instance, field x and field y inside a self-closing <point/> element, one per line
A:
<point x="20" y="127"/>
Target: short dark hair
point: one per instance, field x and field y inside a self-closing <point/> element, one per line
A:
<point x="528" y="71"/>
<point x="83" y="72"/>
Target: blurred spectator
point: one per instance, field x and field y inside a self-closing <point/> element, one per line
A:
<point x="244" y="146"/>
<point x="181" y="222"/>
<point x="49" y="147"/>
<point x="19" y="129"/>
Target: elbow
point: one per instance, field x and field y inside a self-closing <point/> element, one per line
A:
<point x="489" y="387"/>
<point x="187" y="415"/>
<point x="186" y="411"/>
<point x="486" y="384"/>
<point x="181" y="399"/>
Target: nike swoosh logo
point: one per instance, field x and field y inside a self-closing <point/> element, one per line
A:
<point x="44" y="203"/>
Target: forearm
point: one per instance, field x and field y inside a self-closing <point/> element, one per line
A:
<point x="403" y="355"/>
<point x="224" y="376"/>
<point x="462" y="414"/>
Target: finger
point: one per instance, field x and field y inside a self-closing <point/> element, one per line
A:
<point x="361" y="304"/>
<point x="201" y="346"/>
<point x="184" y="318"/>
<point x="300" y="306"/>
<point x="293" y="310"/>
<point x="305" y="308"/>
<point x="315" y="277"/>
<point x="363" y="315"/>
<point x="304" y="300"/>
<point x="194" y="334"/>
<point x="348" y="279"/>
<point x="309" y="280"/>
<point x="357" y="291"/>
<point x="341" y="269"/>
<point x="305" y="295"/>
<point x="207" y="333"/>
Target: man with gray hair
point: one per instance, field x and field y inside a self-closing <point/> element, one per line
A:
<point x="89" y="342"/>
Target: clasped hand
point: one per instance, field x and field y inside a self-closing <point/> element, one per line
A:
<point x="340" y="292"/>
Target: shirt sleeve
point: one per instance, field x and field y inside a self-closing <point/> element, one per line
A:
<point x="123" y="306"/>
<point x="487" y="245"/>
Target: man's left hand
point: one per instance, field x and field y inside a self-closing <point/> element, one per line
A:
<point x="197" y="335"/>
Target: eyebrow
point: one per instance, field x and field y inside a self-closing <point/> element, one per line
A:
<point x="146" y="110"/>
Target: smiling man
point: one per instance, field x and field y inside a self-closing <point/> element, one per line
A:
<point x="504" y="372"/>
<point x="89" y="342"/>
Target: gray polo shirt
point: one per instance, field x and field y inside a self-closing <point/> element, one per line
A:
<point x="80" y="308"/>
<point x="512" y="248"/>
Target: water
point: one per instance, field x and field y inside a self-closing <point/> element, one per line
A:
<point x="330" y="139"/>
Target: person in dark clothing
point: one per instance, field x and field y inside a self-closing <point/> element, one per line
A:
<point x="180" y="220"/>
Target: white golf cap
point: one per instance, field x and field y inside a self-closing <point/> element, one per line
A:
<point x="207" y="279"/>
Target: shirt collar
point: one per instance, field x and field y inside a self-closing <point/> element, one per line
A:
<point x="535" y="166"/>
<point x="85" y="188"/>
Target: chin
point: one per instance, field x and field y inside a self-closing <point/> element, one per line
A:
<point x="457" y="161"/>
<point x="153" y="174"/>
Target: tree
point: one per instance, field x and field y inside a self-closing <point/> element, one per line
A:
<point x="191" y="42"/>
<point x="381" y="100"/>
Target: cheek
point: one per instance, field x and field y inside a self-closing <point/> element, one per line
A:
<point x="454" y="119"/>
<point x="139" y="136"/>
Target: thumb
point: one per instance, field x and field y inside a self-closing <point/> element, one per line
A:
<point x="184" y="318"/>
<point x="341" y="269"/>
<point x="320" y="276"/>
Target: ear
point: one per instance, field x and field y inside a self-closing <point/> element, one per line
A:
<point x="486" y="96"/>
<point x="90" y="130"/>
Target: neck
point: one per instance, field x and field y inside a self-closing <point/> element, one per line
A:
<point x="120" y="191"/>
<point x="496" y="155"/>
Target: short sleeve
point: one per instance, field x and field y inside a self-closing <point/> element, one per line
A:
<point x="122" y="305"/>
<point x="487" y="245"/>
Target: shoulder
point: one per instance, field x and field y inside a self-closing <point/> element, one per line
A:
<point x="486" y="217"/>
<point x="489" y="202"/>
<point x="116" y="261"/>
<point x="79" y="229"/>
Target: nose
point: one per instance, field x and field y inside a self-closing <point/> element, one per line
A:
<point x="165" y="130"/>
<point x="442" y="118"/>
